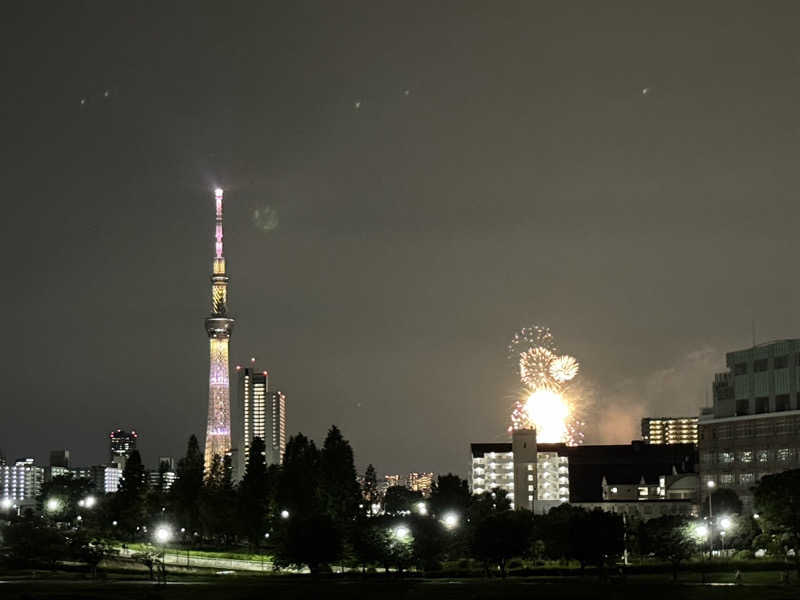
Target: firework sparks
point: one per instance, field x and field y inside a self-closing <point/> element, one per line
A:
<point x="548" y="406"/>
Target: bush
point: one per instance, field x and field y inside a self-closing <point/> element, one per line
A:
<point x="743" y="555"/>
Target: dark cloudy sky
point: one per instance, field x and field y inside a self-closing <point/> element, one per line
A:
<point x="525" y="178"/>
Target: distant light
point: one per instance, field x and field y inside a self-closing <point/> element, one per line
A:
<point x="711" y="484"/>
<point x="450" y="520"/>
<point x="114" y="523"/>
<point x="89" y="501"/>
<point x="701" y="531"/>
<point x="401" y="532"/>
<point x="421" y="508"/>
<point x="53" y="505"/>
<point x="725" y="522"/>
<point x="266" y="536"/>
<point x="284" y="514"/>
<point x="5" y="503"/>
<point x="218" y="193"/>
<point x="613" y="490"/>
<point x="756" y="516"/>
<point x="162" y="534"/>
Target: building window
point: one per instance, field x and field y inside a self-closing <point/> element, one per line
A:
<point x="740" y="369"/>
<point x="742" y="407"/>
<point x="783" y="454"/>
<point x="530" y="488"/>
<point x="726" y="479"/>
<point x="706" y="457"/>
<point x="760" y="365"/>
<point x="781" y="362"/>
<point x="762" y="405"/>
<point x="746" y="456"/>
<point x="530" y="467"/>
<point x="782" y="402"/>
<point x="725" y="458"/>
<point x="530" y="477"/>
<point x="763" y="456"/>
<point x="746" y="478"/>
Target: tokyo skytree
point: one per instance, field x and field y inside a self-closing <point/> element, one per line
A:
<point x="219" y="327"/>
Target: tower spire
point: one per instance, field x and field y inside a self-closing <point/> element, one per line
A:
<point x="218" y="327"/>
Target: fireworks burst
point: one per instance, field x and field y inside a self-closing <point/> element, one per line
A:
<point x="548" y="404"/>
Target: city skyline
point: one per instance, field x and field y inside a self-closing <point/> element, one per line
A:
<point x="509" y="171"/>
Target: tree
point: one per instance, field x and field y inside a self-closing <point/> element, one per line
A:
<point x="398" y="499"/>
<point x="370" y="542"/>
<point x="33" y="542"/>
<point x="724" y="501"/>
<point x="253" y="493"/>
<point x="501" y="536"/>
<point x="313" y="541"/>
<point x="429" y="543"/>
<point x="218" y="501"/>
<point x="556" y="528"/>
<point x="69" y="490"/>
<point x="90" y="550"/>
<point x="129" y="504"/>
<point x="339" y="490"/>
<point x="185" y="491"/>
<point x="777" y="501"/>
<point x="670" y="538"/>
<point x="449" y="493"/>
<point x="298" y="487"/>
<point x="595" y="537"/>
<point x="369" y="490"/>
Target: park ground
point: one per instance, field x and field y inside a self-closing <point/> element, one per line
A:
<point x="63" y="586"/>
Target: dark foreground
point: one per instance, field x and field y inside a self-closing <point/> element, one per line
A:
<point x="234" y="587"/>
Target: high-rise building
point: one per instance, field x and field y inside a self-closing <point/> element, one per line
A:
<point x="753" y="427"/>
<point x="121" y="444"/>
<point x="162" y="478"/>
<point x="262" y="413"/>
<point x="276" y="444"/>
<point x="669" y="430"/>
<point x="218" y="327"/>
<point x="106" y="477"/>
<point x="22" y="481"/>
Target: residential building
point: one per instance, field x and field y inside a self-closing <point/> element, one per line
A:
<point x="22" y="481"/>
<point x="540" y="476"/>
<point x="669" y="430"/>
<point x="753" y="427"/>
<point x="106" y="477"/>
<point x="420" y="482"/>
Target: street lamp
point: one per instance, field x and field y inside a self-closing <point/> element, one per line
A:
<point x="450" y="520"/>
<point x="6" y="503"/>
<point x="53" y="505"/>
<point x="401" y="532"/>
<point x="711" y="485"/>
<point x="284" y="514"/>
<point x="421" y="508"/>
<point x="162" y="534"/>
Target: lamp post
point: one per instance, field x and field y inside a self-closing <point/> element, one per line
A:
<point x="162" y="535"/>
<point x="710" y="484"/>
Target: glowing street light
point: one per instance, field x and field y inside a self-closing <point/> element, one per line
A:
<point x="701" y="531"/>
<point x="284" y="514"/>
<point x="422" y="509"/>
<point x="402" y="533"/>
<point x="53" y="505"/>
<point x="88" y="502"/>
<point x="162" y="534"/>
<point x="450" y="520"/>
<point x="6" y="503"/>
<point x="725" y="523"/>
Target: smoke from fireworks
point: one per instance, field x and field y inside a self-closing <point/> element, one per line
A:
<point x="548" y="404"/>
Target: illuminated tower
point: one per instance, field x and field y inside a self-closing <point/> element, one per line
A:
<point x="218" y="326"/>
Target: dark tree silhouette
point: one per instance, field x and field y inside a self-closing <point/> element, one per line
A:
<point x="449" y="493"/>
<point x="399" y="499"/>
<point x="129" y="504"/>
<point x="777" y="500"/>
<point x="298" y="487"/>
<point x="339" y="489"/>
<point x="369" y="490"/>
<point x="185" y="491"/>
<point x="254" y="493"/>
<point x="724" y="501"/>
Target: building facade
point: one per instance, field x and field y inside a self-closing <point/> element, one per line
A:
<point x="540" y="476"/>
<point x="121" y="443"/>
<point x="219" y="327"/>
<point x="753" y="427"/>
<point x="670" y="430"/>
<point x="106" y="477"/>
<point x="276" y="425"/>
<point x="420" y="482"/>
<point x="22" y="481"/>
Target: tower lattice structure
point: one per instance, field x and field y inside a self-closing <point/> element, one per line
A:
<point x="219" y="327"/>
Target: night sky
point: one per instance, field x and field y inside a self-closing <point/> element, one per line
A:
<point x="429" y="178"/>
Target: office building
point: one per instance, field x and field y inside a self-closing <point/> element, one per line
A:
<point x="753" y="427"/>
<point x="22" y="481"/>
<point x="162" y="478"/>
<point x="669" y="430"/>
<point x="219" y="327"/>
<point x="540" y="476"/>
<point x="121" y="444"/>
<point x="106" y="477"/>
